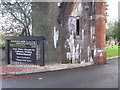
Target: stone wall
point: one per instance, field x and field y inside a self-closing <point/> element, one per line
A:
<point x="74" y="31"/>
<point x="44" y="23"/>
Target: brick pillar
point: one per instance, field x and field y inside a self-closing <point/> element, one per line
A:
<point x="100" y="25"/>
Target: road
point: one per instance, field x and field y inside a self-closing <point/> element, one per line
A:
<point x="97" y="76"/>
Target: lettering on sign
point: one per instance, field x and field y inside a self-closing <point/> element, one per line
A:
<point x="23" y="54"/>
<point x="23" y="42"/>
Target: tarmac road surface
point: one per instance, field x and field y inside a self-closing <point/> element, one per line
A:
<point x="97" y="76"/>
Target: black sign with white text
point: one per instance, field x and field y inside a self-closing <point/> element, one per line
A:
<point x="24" y="54"/>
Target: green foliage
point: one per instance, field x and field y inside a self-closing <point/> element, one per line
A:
<point x="66" y="61"/>
<point x="108" y="35"/>
<point x="113" y="31"/>
<point x="2" y="44"/>
<point x="112" y="51"/>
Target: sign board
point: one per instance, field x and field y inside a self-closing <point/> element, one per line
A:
<point x="24" y="54"/>
<point x="22" y="50"/>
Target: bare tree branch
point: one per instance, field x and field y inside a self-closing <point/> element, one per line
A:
<point x="20" y="12"/>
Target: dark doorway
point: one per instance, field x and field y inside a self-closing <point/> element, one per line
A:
<point x="77" y="26"/>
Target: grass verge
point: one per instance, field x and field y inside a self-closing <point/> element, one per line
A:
<point x="112" y="51"/>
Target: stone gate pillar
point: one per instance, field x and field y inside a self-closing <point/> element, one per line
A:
<point x="100" y="26"/>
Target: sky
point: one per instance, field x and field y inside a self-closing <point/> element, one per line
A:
<point x="112" y="10"/>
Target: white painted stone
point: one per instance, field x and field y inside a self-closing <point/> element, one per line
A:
<point x="79" y="9"/>
<point x="93" y="2"/>
<point x="73" y="53"/>
<point x="91" y="59"/>
<point x="82" y="62"/>
<point x="72" y="24"/>
<point x="91" y="33"/>
<point x="68" y="55"/>
<point x="99" y="16"/>
<point x="93" y="28"/>
<point x="91" y="17"/>
<point x="82" y="34"/>
<point x="99" y="51"/>
<point x="101" y="54"/>
<point x="72" y="46"/>
<point x="95" y="50"/>
<point x="88" y="52"/>
<point x="59" y="4"/>
<point x="77" y="51"/>
<point x="80" y="54"/>
<point x="56" y="36"/>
